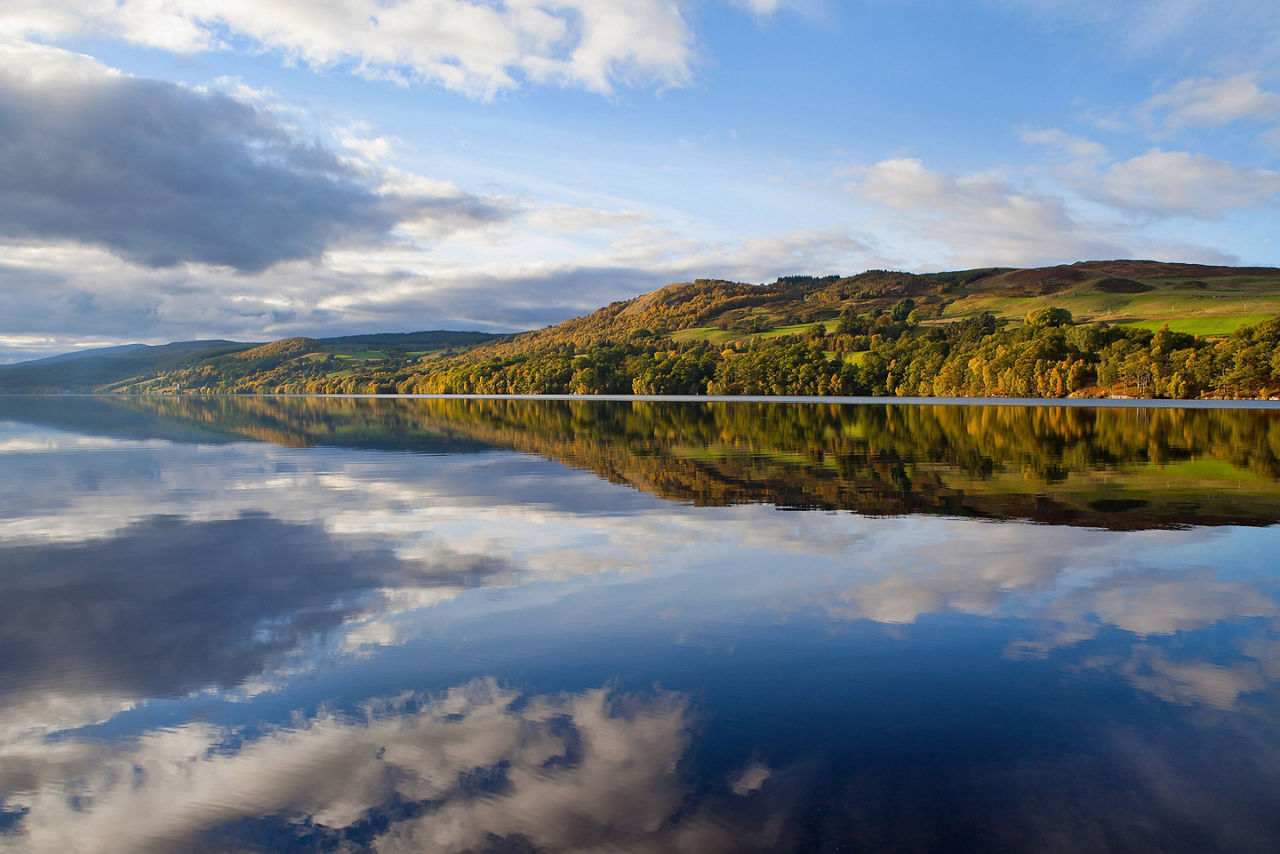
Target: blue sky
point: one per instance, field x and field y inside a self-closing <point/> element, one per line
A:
<point x="274" y="168"/>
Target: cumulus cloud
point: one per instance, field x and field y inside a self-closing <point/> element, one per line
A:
<point x="1179" y="182"/>
<point x="983" y="219"/>
<point x="1095" y="208"/>
<point x="1211" y="102"/>
<point x="162" y="174"/>
<point x="1158" y="182"/>
<point x="476" y="48"/>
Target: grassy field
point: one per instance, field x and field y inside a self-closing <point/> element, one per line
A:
<point x="1213" y="306"/>
<point x="707" y="333"/>
<point x="1218" y="306"/>
<point x="1203" y="325"/>
<point x="361" y="355"/>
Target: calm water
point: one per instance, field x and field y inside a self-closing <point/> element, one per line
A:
<point x="268" y="624"/>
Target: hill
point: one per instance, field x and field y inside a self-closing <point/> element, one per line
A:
<point x="228" y="366"/>
<point x="1093" y="328"/>
<point x="91" y="353"/>
<point x="89" y="371"/>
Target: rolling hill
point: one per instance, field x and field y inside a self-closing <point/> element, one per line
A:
<point x="1093" y="328"/>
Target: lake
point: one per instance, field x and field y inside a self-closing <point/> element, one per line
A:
<point x="301" y="624"/>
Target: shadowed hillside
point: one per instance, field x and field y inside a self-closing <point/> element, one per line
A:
<point x="227" y="366"/>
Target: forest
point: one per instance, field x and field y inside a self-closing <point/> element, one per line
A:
<point x="1047" y="356"/>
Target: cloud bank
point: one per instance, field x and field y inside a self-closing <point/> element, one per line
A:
<point x="161" y="174"/>
<point x="476" y="48"/>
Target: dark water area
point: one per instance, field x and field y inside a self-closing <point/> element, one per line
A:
<point x="298" y="624"/>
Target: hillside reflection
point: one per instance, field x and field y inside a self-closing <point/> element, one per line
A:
<point x="1118" y="468"/>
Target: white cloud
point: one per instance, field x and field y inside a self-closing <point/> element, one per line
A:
<point x="541" y="265"/>
<point x="983" y="219"/>
<point x="476" y="48"/>
<point x="1210" y="102"/>
<point x="1168" y="183"/>
<point x="1157" y="183"/>
<point x="1075" y="147"/>
<point x="1095" y="206"/>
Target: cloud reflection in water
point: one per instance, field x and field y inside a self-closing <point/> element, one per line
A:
<point x="636" y="673"/>
<point x="466" y="770"/>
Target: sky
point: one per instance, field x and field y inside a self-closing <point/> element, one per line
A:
<point x="257" y="169"/>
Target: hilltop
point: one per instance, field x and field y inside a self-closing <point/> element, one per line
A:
<point x="1093" y="328"/>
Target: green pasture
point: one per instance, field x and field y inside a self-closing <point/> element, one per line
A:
<point x="1203" y="325"/>
<point x="361" y="355"/>
<point x="1219" y="308"/>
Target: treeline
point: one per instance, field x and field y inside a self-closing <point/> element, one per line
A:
<point x="886" y="354"/>
<point x="893" y="348"/>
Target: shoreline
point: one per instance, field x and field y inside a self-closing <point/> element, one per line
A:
<point x="1074" y="402"/>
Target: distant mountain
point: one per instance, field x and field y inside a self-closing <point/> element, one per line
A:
<point x="87" y="371"/>
<point x="79" y="354"/>
<point x="124" y="367"/>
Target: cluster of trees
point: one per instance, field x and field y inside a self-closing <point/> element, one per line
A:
<point x="885" y="352"/>
<point x="289" y="366"/>
<point x="889" y="354"/>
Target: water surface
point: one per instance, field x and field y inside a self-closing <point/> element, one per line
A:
<point x="292" y="624"/>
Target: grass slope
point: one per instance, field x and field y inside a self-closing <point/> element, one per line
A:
<point x="1200" y="300"/>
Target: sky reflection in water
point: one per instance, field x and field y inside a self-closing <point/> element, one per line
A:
<point x="408" y="626"/>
